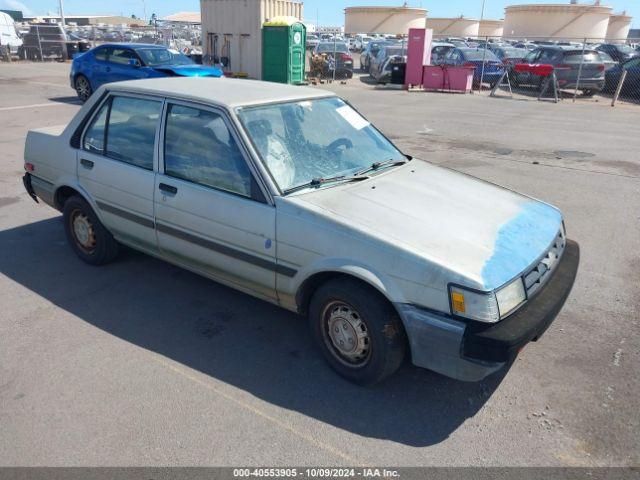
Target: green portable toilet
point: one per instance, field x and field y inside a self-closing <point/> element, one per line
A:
<point x="283" y="50"/>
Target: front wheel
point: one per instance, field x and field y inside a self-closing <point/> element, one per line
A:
<point x="83" y="88"/>
<point x="358" y="331"/>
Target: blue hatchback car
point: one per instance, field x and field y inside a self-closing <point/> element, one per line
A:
<point x="117" y="62"/>
<point x="474" y="57"/>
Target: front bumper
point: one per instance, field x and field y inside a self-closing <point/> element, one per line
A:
<point x="470" y="351"/>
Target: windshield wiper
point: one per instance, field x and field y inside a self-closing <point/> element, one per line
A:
<point x="378" y="165"/>
<point x="317" y="182"/>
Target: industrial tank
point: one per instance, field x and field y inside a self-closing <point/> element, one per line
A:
<point x="454" y="27"/>
<point x="618" y="29"/>
<point x="387" y="20"/>
<point x="559" y="22"/>
<point x="491" y="28"/>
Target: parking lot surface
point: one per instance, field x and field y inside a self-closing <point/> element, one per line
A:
<point x="142" y="363"/>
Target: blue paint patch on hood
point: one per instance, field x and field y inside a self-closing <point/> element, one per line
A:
<point x="520" y="242"/>
<point x="191" y="70"/>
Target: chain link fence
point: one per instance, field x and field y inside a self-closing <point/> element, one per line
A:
<point x="52" y="42"/>
<point x="547" y="68"/>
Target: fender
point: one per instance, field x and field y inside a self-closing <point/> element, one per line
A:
<point x="378" y="280"/>
<point x="72" y="182"/>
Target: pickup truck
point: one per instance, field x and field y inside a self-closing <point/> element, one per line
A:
<point x="289" y="194"/>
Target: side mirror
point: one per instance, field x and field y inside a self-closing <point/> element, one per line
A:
<point x="134" y="62"/>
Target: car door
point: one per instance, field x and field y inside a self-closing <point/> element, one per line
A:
<point x="211" y="215"/>
<point x="98" y="68"/>
<point x="119" y="67"/>
<point x="116" y="166"/>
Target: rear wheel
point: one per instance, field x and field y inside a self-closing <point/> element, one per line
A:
<point x="588" y="93"/>
<point x="358" y="331"/>
<point x="83" y="87"/>
<point x="91" y="241"/>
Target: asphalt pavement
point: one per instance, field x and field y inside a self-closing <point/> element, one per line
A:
<point x="142" y="363"/>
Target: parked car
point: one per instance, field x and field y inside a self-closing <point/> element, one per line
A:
<point x="381" y="64"/>
<point x="525" y="45"/>
<point x="118" y="62"/>
<point x="509" y="55"/>
<point x="312" y="41"/>
<point x="606" y="59"/>
<point x="472" y="57"/>
<point x="9" y="35"/>
<point x="289" y="194"/>
<point x="439" y="50"/>
<point x="632" y="82"/>
<point x="619" y="52"/>
<point x="567" y="66"/>
<point x="335" y="56"/>
<point x="45" y="41"/>
<point x="370" y="51"/>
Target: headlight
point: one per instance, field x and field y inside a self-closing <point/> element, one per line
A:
<point x="474" y="305"/>
<point x="487" y="307"/>
<point x="510" y="297"/>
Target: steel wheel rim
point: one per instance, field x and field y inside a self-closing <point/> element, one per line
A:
<point x="346" y="335"/>
<point x="82" y="87"/>
<point x="83" y="232"/>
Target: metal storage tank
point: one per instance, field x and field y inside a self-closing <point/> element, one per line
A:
<point x="387" y="20"/>
<point x="558" y="22"/>
<point x="232" y="29"/>
<point x="618" y="29"/>
<point x="454" y="27"/>
<point x="491" y="28"/>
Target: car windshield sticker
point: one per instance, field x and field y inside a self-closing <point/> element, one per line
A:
<point x="353" y="117"/>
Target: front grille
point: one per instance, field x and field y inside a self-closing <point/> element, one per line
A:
<point x="540" y="273"/>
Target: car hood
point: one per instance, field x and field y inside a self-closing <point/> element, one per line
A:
<point x="485" y="233"/>
<point x="190" y="70"/>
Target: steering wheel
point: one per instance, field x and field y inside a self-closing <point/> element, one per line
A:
<point x="340" y="142"/>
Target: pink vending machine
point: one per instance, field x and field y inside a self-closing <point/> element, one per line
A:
<point x="418" y="55"/>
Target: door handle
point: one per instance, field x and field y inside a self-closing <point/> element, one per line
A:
<point x="108" y="69"/>
<point x="168" y="188"/>
<point x="86" y="163"/>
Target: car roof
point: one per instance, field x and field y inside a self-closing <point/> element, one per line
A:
<point x="226" y="92"/>
<point x="131" y="45"/>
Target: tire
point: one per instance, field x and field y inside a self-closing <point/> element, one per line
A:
<point x="83" y="88"/>
<point x="588" y="93"/>
<point x="369" y="322"/>
<point x="91" y="241"/>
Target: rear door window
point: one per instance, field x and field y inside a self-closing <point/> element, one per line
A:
<point x="101" y="54"/>
<point x="131" y="131"/>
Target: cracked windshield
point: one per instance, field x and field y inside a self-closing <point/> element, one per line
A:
<point x="300" y="142"/>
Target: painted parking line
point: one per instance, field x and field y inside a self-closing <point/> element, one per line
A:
<point x="253" y="409"/>
<point x="35" y="105"/>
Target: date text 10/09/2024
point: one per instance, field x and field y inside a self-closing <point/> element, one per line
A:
<point x="316" y="472"/>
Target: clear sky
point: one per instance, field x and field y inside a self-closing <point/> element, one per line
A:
<point x="329" y="12"/>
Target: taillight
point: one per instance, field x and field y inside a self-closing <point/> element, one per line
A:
<point x="345" y="56"/>
<point x="601" y="67"/>
<point x="469" y="64"/>
<point x="29" y="167"/>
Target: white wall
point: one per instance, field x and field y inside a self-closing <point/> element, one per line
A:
<point x="454" y="27"/>
<point x="387" y="20"/>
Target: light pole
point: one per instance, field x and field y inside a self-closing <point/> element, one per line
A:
<point x="484" y="53"/>
<point x="62" y="14"/>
